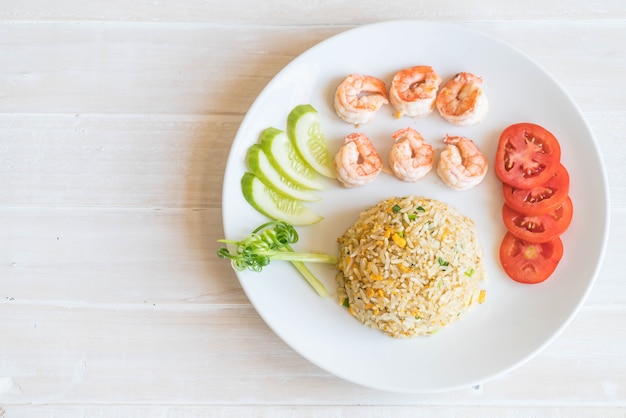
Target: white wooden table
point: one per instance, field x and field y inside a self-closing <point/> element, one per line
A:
<point x="116" y="118"/>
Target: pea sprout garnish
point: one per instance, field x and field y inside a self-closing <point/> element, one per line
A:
<point x="272" y="241"/>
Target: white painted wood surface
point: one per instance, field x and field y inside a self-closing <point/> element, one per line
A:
<point x="116" y="118"/>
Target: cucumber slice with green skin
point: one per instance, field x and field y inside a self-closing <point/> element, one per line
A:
<point x="305" y="131"/>
<point x="286" y="160"/>
<point x="276" y="205"/>
<point x="261" y="167"/>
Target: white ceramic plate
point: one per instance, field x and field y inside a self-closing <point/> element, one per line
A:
<point x="516" y="321"/>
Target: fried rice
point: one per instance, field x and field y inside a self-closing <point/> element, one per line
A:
<point x="410" y="266"/>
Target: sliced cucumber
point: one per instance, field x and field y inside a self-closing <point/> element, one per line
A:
<point x="286" y="160"/>
<point x="261" y="167"/>
<point x="275" y="205"/>
<point x="305" y="131"/>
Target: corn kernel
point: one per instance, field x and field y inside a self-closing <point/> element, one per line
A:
<point x="369" y="292"/>
<point x="376" y="277"/>
<point x="398" y="240"/>
<point x="482" y="295"/>
<point x="369" y="306"/>
<point x="380" y="293"/>
<point x="403" y="268"/>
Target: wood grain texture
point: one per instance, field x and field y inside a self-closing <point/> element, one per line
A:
<point x="201" y="353"/>
<point x="143" y="67"/>
<point x="279" y="13"/>
<point x="78" y="257"/>
<point x="264" y="411"/>
<point x="116" y="119"/>
<point x="75" y="160"/>
<point x="119" y="67"/>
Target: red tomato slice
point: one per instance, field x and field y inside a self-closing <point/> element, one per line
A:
<point x="538" y="228"/>
<point x="541" y="199"/>
<point x="527" y="155"/>
<point x="530" y="263"/>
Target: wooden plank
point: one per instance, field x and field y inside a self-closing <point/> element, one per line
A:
<point x="307" y="13"/>
<point x="119" y="67"/>
<point x="82" y="257"/>
<point x="268" y="411"/>
<point x="114" y="161"/>
<point x="225" y="355"/>
<point x="142" y="68"/>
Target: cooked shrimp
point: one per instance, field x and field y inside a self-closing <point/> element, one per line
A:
<point x="410" y="158"/>
<point x="357" y="163"/>
<point x="461" y="165"/>
<point x="359" y="97"/>
<point x="462" y="100"/>
<point x="413" y="91"/>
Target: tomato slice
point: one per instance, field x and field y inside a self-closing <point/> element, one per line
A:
<point x="527" y="262"/>
<point x="538" y="228"/>
<point x="527" y="155"/>
<point x="540" y="199"/>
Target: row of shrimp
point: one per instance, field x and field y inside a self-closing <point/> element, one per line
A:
<point x="461" y="165"/>
<point x="414" y="92"/>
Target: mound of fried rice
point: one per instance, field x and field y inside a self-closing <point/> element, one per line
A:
<point x="410" y="266"/>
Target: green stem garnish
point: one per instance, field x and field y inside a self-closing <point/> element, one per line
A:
<point x="271" y="241"/>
